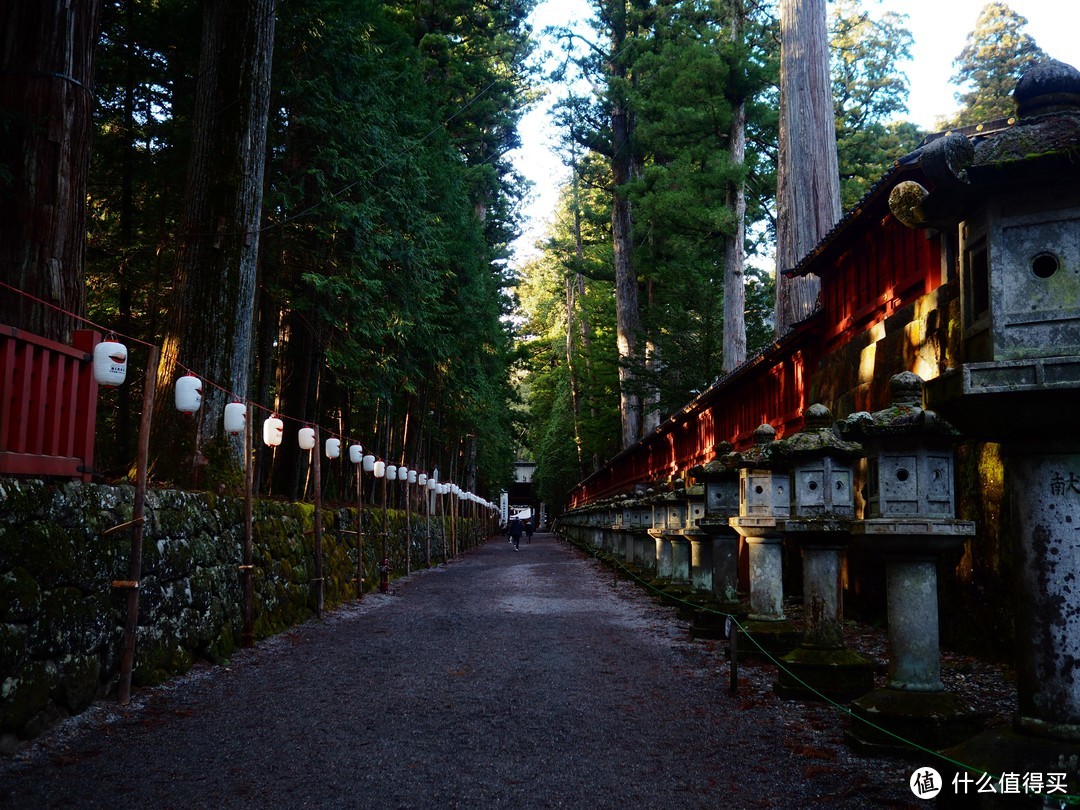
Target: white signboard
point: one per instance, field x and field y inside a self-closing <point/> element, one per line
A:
<point x="504" y="507"/>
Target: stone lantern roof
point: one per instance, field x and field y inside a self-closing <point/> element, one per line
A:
<point x="758" y="456"/>
<point x="718" y="467"/>
<point x="905" y="417"/>
<point x="816" y="439"/>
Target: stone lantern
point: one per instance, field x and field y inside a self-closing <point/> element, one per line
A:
<point x="1017" y="217"/>
<point x="909" y="520"/>
<point x="672" y="548"/>
<point x="643" y="544"/>
<point x="764" y="501"/>
<point x="700" y="546"/>
<point x="822" y="509"/>
<point x="720" y="481"/>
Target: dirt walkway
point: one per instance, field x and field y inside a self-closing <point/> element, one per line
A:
<point x="505" y="679"/>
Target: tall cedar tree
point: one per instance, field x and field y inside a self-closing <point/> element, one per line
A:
<point x="997" y="53"/>
<point x="210" y="329"/>
<point x="808" y="184"/>
<point x="46" y="80"/>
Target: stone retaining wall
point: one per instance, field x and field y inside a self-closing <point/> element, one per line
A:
<point x="61" y="621"/>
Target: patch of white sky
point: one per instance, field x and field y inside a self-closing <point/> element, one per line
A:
<point x="939" y="29"/>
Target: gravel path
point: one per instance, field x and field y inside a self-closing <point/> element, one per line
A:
<point x="505" y="679"/>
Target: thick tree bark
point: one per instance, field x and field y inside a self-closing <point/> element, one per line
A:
<point x="628" y="312"/>
<point x="46" y="76"/>
<point x="734" y="269"/>
<point x="210" y="330"/>
<point x="808" y="184"/>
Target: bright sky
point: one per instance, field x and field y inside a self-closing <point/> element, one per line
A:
<point x="939" y="27"/>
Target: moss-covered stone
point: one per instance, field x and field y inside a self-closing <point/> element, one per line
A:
<point x="68" y="621"/>
<point x="58" y="606"/>
<point x="20" y="596"/>
<point x="80" y="679"/>
<point x="157" y="659"/>
<point x="13" y="639"/>
<point x="25" y="693"/>
<point x="45" y="550"/>
<point x="22" y="500"/>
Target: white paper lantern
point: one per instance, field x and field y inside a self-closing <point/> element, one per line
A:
<point x="380" y="469"/>
<point x="110" y="363"/>
<point x="235" y="417"/>
<point x="402" y="473"/>
<point x="369" y="463"/>
<point x="391" y="472"/>
<point x="306" y="438"/>
<point x="412" y="476"/>
<point x="431" y="484"/>
<point x="421" y="480"/>
<point x="333" y="448"/>
<point x="188" y="393"/>
<point x="356" y="453"/>
<point x="273" y="429"/>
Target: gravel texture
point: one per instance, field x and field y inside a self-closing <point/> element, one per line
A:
<point x="504" y="679"/>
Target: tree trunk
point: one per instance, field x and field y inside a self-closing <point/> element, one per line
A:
<point x="628" y="312"/>
<point x="734" y="273"/>
<point x="46" y="75"/>
<point x="210" y="329"/>
<point x="808" y="177"/>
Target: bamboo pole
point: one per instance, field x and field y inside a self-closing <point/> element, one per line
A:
<point x="408" y="529"/>
<point x="131" y="624"/>
<point x="427" y="528"/>
<point x="384" y="563"/>
<point x="316" y="473"/>
<point x="360" y="529"/>
<point x="247" y="639"/>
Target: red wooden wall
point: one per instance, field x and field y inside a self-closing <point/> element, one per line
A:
<point x="48" y="404"/>
<point x="869" y="266"/>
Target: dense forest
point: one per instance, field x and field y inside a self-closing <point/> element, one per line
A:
<point x="309" y="204"/>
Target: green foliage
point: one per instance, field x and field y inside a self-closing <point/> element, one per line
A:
<point x="997" y="53"/>
<point x="868" y="92"/>
<point x="388" y="209"/>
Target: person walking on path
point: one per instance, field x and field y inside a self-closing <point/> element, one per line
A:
<point x="528" y="531"/>
<point x="515" y="533"/>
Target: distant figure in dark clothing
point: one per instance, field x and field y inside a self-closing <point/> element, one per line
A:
<point x="514" y="531"/>
<point x="528" y="531"/>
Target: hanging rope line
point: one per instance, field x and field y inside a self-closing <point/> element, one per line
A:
<point x="229" y="393"/>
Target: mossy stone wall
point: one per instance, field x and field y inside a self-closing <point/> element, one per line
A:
<point x="61" y="620"/>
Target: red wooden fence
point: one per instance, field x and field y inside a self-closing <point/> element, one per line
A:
<point x="48" y="404"/>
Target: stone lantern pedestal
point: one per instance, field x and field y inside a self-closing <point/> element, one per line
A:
<point x="822" y="509"/>
<point x="720" y="483"/>
<point x="671" y="507"/>
<point x="910" y="506"/>
<point x="763" y="503"/>
<point x="1016" y="212"/>
<point x="642" y="544"/>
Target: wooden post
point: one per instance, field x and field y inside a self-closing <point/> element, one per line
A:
<point x="408" y="530"/>
<point x="247" y="639"/>
<point x="131" y="625"/>
<point x="427" y="527"/>
<point x="316" y="475"/>
<point x="360" y="529"/>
